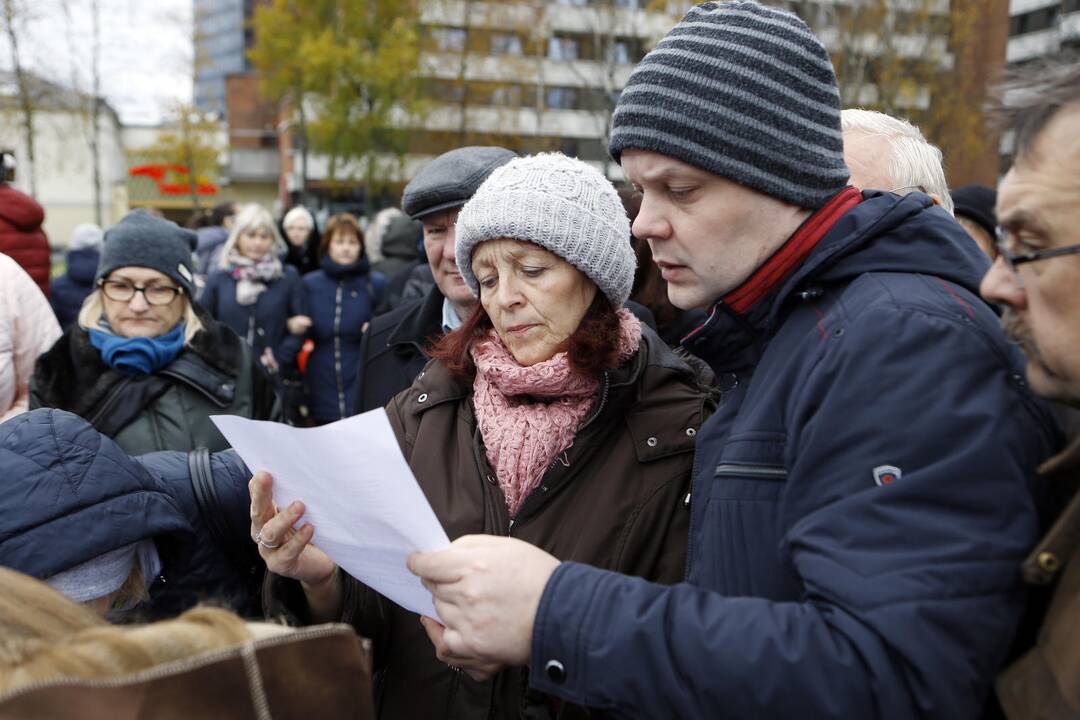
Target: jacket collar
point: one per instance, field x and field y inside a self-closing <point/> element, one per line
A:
<point x="883" y="233"/>
<point x="418" y="328"/>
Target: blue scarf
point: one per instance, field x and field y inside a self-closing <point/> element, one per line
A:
<point x="138" y="355"/>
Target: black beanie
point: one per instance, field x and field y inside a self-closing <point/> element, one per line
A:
<point x="976" y="203"/>
<point x="142" y="240"/>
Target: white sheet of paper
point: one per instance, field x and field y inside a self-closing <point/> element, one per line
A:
<point x="368" y="511"/>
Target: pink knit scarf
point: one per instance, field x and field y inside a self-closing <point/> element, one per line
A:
<point x="529" y="414"/>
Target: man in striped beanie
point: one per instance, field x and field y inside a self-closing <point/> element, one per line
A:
<point x="861" y="496"/>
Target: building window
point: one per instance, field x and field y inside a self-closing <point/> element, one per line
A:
<point x="505" y="44"/>
<point x="621" y="53"/>
<point x="506" y="96"/>
<point x="1069" y="6"/>
<point x="448" y="39"/>
<point x="631" y="4"/>
<point x="577" y="3"/>
<point x="1034" y="21"/>
<point x="561" y="98"/>
<point x="563" y="48"/>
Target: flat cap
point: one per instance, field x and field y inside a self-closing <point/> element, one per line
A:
<point x="448" y="181"/>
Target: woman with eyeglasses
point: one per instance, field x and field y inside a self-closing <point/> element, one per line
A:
<point x="144" y="364"/>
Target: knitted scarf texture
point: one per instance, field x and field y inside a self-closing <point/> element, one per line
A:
<point x="252" y="276"/>
<point x="528" y="415"/>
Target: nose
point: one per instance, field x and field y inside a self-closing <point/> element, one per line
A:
<point x="138" y="303"/>
<point x="507" y="294"/>
<point x="1001" y="286"/>
<point x="650" y="222"/>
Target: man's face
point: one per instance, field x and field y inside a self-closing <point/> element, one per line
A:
<point x="439" y="239"/>
<point x="1038" y="206"/>
<point x="707" y="233"/>
<point x="868" y="157"/>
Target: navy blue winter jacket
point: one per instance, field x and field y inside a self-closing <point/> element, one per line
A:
<point x="70" y="289"/>
<point x="860" y="504"/>
<point x="70" y="494"/>
<point x="262" y="324"/>
<point x="341" y="298"/>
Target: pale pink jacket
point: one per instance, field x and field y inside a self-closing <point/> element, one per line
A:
<point x="27" y="329"/>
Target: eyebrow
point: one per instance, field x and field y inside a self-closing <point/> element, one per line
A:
<point x="1022" y="219"/>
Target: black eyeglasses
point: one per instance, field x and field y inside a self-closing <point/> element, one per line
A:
<point x="121" y="291"/>
<point x="1014" y="260"/>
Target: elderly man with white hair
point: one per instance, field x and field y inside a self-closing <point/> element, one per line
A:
<point x="887" y="153"/>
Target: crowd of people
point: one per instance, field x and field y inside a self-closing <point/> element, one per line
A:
<point x="780" y="428"/>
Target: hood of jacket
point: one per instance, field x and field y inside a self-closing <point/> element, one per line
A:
<point x="209" y="238"/>
<point x="82" y="265"/>
<point x="72" y="494"/>
<point x="19" y="209"/>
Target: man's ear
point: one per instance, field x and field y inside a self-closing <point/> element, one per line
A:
<point x="935" y="197"/>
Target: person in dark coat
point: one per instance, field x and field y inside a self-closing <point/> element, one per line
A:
<point x="302" y="238"/>
<point x="394" y="348"/>
<point x="866" y="490"/>
<point x="341" y="299"/>
<point x="143" y="363"/>
<point x="21" y="236"/>
<point x="1034" y="279"/>
<point x="399" y="242"/>
<point x="975" y="212"/>
<point x="71" y="289"/>
<point x="162" y="531"/>
<point x="552" y="415"/>
<point x="255" y="294"/>
<point x="212" y="237"/>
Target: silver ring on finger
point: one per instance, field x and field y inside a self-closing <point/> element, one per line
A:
<point x="264" y="543"/>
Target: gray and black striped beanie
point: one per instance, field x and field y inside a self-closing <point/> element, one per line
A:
<point x="744" y="91"/>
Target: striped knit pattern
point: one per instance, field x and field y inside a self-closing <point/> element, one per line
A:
<point x="743" y="91"/>
<point x="561" y="204"/>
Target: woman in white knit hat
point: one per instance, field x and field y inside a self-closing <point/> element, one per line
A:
<point x="552" y="415"/>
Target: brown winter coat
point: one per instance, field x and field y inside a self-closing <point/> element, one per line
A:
<point x="1044" y="684"/>
<point x="616" y="499"/>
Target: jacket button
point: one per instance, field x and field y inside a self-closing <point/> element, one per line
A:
<point x="1049" y="562"/>
<point x="691" y="432"/>
<point x="555" y="671"/>
<point x="652" y="442"/>
<point x="261" y="332"/>
<point x="490" y="479"/>
<point x="422" y="398"/>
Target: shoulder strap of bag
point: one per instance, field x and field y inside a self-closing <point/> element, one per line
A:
<point x="202" y="482"/>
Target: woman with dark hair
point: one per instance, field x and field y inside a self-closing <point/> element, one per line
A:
<point x="341" y="296"/>
<point x="551" y="415"/>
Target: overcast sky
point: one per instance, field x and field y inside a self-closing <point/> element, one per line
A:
<point x="145" y="50"/>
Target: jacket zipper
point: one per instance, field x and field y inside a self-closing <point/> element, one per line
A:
<point x="337" y="350"/>
<point x="562" y="457"/>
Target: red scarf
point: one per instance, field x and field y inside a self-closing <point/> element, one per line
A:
<point x="793" y="252"/>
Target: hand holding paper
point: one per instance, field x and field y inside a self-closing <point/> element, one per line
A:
<point x="366" y="507"/>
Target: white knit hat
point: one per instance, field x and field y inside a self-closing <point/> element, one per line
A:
<point x="561" y="204"/>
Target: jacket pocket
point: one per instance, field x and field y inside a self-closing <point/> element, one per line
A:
<point x="743" y="528"/>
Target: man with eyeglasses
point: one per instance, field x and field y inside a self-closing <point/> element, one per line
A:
<point x="1036" y="279"/>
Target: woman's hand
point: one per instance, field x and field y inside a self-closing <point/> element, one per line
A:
<point x="298" y="324"/>
<point x="268" y="360"/>
<point x="288" y="552"/>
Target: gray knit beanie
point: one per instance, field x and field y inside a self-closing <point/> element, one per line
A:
<point x="142" y="240"/>
<point x="561" y="204"/>
<point x="743" y="91"/>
